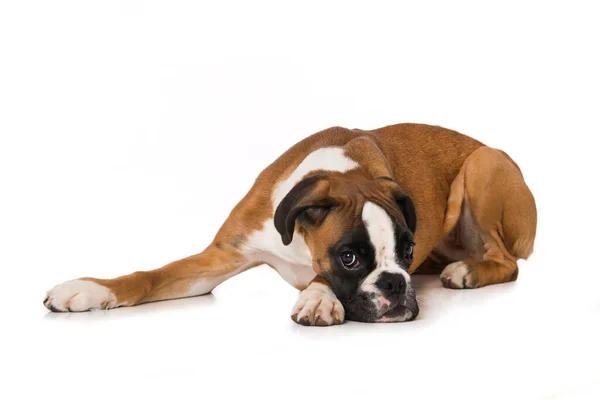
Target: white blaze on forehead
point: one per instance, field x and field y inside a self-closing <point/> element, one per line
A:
<point x="326" y="159"/>
<point x="381" y="233"/>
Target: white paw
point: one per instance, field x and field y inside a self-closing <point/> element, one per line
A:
<point x="79" y="295"/>
<point x="458" y="275"/>
<point x="318" y="305"/>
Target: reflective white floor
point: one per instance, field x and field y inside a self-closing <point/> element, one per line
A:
<point x="519" y="340"/>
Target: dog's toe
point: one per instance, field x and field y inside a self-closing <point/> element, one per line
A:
<point x="79" y="295"/>
<point x="318" y="308"/>
<point x="458" y="275"/>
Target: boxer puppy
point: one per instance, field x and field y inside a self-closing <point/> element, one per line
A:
<point x="346" y="216"/>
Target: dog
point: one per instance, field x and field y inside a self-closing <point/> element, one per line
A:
<point x="346" y="216"/>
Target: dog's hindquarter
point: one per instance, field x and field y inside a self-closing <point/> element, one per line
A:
<point x="490" y="222"/>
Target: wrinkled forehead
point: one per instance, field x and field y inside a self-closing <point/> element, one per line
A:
<point x="365" y="226"/>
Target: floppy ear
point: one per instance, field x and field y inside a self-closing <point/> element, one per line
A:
<point x="404" y="202"/>
<point x="407" y="207"/>
<point x="308" y="202"/>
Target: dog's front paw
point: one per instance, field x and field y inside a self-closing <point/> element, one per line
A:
<point x="318" y="306"/>
<point x="459" y="275"/>
<point x="79" y="295"/>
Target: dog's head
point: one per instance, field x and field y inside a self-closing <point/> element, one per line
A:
<point x="360" y="232"/>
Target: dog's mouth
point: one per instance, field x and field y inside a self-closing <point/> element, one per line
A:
<point x="399" y="313"/>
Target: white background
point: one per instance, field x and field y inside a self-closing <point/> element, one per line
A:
<point x="130" y="129"/>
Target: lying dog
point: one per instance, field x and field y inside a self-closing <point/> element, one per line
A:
<point x="346" y="216"/>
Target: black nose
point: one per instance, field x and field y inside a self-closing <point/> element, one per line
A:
<point x="391" y="284"/>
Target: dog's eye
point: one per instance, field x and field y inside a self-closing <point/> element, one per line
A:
<point x="349" y="260"/>
<point x="409" y="252"/>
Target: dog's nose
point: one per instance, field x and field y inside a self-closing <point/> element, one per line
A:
<point x="391" y="284"/>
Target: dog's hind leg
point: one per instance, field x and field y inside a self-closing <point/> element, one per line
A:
<point x="493" y="213"/>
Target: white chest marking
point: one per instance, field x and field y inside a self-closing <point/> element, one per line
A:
<point x="381" y="233"/>
<point x="294" y="262"/>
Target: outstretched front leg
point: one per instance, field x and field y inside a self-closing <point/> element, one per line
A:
<point x="318" y="305"/>
<point x="191" y="276"/>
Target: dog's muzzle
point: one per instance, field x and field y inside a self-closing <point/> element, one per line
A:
<point x="391" y="300"/>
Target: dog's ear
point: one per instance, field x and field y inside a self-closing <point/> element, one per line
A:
<point x="308" y="202"/>
<point x="404" y="202"/>
<point x="407" y="207"/>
